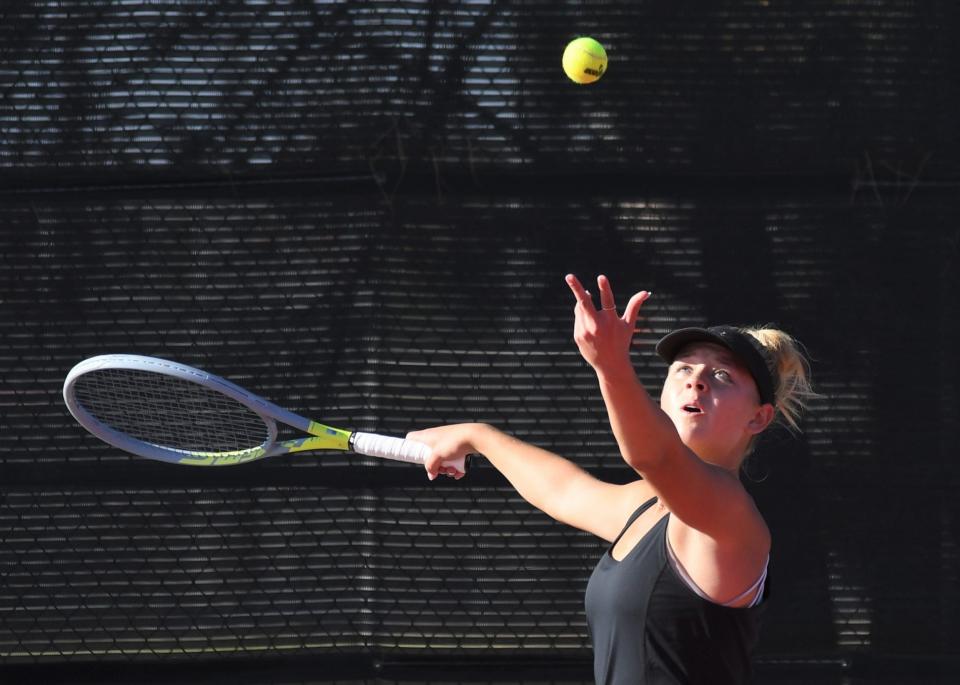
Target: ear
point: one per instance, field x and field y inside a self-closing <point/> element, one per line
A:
<point x="762" y="418"/>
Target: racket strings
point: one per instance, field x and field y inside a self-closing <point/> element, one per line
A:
<point x="170" y="412"/>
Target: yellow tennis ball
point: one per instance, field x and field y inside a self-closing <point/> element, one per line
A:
<point x="584" y="60"/>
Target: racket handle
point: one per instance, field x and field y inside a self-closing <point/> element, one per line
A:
<point x="385" y="447"/>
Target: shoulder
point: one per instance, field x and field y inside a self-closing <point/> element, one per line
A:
<point x="607" y="512"/>
<point x="637" y="493"/>
<point x="741" y="521"/>
<point x="743" y="530"/>
<point x="708" y="499"/>
<point x="640" y="489"/>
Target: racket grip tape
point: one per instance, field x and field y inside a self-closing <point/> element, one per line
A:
<point x="386" y="447"/>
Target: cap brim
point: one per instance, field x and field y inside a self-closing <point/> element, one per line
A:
<point x="672" y="343"/>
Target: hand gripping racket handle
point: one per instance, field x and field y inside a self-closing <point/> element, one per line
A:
<point x="385" y="447"/>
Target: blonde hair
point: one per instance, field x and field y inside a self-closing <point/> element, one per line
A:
<point x="794" y="391"/>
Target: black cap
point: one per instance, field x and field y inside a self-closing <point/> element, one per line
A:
<point x="746" y="348"/>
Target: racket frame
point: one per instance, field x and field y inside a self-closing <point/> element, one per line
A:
<point x="320" y="436"/>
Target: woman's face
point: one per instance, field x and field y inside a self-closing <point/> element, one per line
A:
<point x="713" y="401"/>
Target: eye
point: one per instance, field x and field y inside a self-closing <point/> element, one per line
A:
<point x="723" y="375"/>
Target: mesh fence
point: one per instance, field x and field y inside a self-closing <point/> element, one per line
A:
<point x="415" y="321"/>
<point x="191" y="87"/>
<point x="364" y="213"/>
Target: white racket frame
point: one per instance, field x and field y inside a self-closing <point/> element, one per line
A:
<point x="370" y="444"/>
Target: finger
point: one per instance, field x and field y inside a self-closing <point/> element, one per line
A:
<point x="607" y="300"/>
<point x="583" y="297"/>
<point x="632" y="311"/>
<point x="432" y="463"/>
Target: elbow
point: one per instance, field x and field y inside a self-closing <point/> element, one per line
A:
<point x="643" y="461"/>
<point x="653" y="456"/>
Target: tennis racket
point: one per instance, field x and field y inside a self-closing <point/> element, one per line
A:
<point x="163" y="410"/>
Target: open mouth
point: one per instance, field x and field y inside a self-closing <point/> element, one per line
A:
<point x="692" y="409"/>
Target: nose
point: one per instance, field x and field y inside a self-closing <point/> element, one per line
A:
<point x="695" y="380"/>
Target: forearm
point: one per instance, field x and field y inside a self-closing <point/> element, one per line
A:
<point x="643" y="432"/>
<point x="542" y="478"/>
<point x="645" y="435"/>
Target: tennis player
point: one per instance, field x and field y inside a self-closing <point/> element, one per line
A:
<point x="677" y="596"/>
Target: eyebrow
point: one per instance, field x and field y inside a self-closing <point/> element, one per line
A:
<point x="730" y="360"/>
<point x="725" y="358"/>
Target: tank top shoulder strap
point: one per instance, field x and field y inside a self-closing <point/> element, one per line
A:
<point x="635" y="515"/>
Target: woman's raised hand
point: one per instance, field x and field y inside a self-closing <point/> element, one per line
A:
<point x="602" y="335"/>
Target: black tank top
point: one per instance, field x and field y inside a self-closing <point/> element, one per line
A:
<point x="648" y="627"/>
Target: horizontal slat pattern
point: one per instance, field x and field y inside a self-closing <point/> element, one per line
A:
<point x="194" y="89"/>
<point x="364" y="211"/>
<point x="396" y="317"/>
<point x="154" y="572"/>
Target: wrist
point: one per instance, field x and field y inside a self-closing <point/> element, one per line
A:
<point x="616" y="373"/>
<point x="479" y="435"/>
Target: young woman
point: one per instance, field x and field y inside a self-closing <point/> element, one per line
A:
<point x="677" y="596"/>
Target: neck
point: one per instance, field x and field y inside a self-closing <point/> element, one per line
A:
<point x="728" y="461"/>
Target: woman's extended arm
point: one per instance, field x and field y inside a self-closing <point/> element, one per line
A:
<point x="552" y="484"/>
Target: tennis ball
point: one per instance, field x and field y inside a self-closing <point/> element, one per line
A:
<point x="584" y="60"/>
